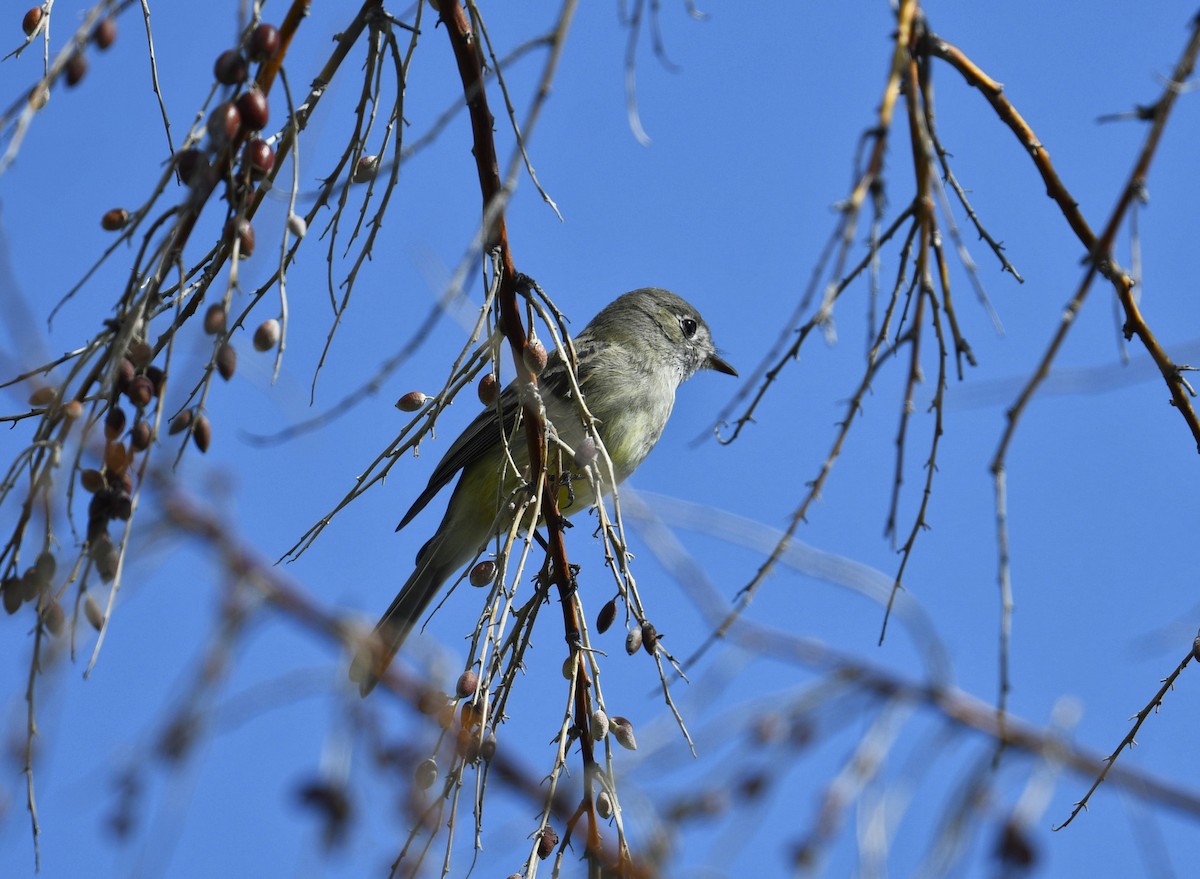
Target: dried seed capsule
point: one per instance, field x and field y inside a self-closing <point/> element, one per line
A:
<point x="91" y="610"/>
<point x="605" y="618"/>
<point x="33" y="18"/>
<point x="141" y="391"/>
<point x="114" y="423"/>
<point x="223" y="123"/>
<point x="364" y="169"/>
<point x="426" y="774"/>
<point x="411" y="402"/>
<point x="114" y="219"/>
<point x="158" y="379"/>
<point x="598" y="724"/>
<point x="140" y="435"/>
<point x="231" y="68"/>
<point x="11" y="589"/>
<point x="116" y="459"/>
<point x="54" y="618"/>
<point x="547" y="840"/>
<point x="105" y="557"/>
<point x="240" y="228"/>
<point x="125" y="373"/>
<point x="202" y="433"/>
<point x="105" y="33"/>
<point x="488" y="390"/>
<point x="73" y="410"/>
<point x="649" y="637"/>
<point x="140" y="353"/>
<point x="45" y="565"/>
<point x="192" y="165"/>
<point x="254" y="110"/>
<point x="76" y="69"/>
<point x="535" y="356"/>
<point x="468" y="683"/>
<point x="180" y="422"/>
<point x="622" y="731"/>
<point x="263" y="42"/>
<point x="43" y="396"/>
<point x="226" y="361"/>
<point x="296" y="225"/>
<point x="604" y="805"/>
<point x="214" y="319"/>
<point x="31" y="585"/>
<point x="91" y="480"/>
<point x="266" y="336"/>
<point x="633" y="641"/>
<point x="258" y="157"/>
<point x="483" y="574"/>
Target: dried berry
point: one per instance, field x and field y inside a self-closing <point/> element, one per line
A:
<point x="158" y="379"/>
<point x="468" y="682"/>
<point x="105" y="33"/>
<point x="226" y="361"/>
<point x="605" y="618"/>
<point x="622" y="731"/>
<point x="91" y="610"/>
<point x="54" y="618"/>
<point x="202" y="433"/>
<point x="487" y="748"/>
<point x="180" y="422"/>
<point x="535" y="356"/>
<point x="73" y="410"/>
<point x="141" y="391"/>
<point x="76" y="69"/>
<point x="114" y="219"/>
<point x="255" y="112"/>
<point x="411" y="402"/>
<point x="240" y="228"/>
<point x="649" y="638"/>
<point x="598" y="724"/>
<point x="43" y="396"/>
<point x="45" y="565"/>
<point x="32" y="19"/>
<point x="116" y="459"/>
<point x="547" y="840"/>
<point x="364" y="169"/>
<point x="11" y="588"/>
<point x="140" y="354"/>
<point x="192" y="165"/>
<point x="114" y="423"/>
<point x="296" y="225"/>
<point x="266" y="336"/>
<point x="488" y="390"/>
<point x="258" y="157"/>
<point x="483" y="574"/>
<point x="91" y="480"/>
<point x="633" y="641"/>
<point x="426" y="774"/>
<point x="223" y="123"/>
<point x="139" y="437"/>
<point x="105" y="557"/>
<point x="214" y="319"/>
<point x="263" y="42"/>
<point x="125" y="373"/>
<point x="231" y="68"/>
<point x="604" y="805"/>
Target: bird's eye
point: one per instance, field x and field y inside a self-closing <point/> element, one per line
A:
<point x="688" y="325"/>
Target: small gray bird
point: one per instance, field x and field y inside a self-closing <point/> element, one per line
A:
<point x="631" y="358"/>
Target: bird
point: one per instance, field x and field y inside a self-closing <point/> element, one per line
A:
<point x="631" y="358"/>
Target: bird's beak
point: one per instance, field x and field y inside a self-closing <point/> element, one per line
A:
<point x="721" y="365"/>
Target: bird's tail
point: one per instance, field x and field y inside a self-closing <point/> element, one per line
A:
<point x="406" y="610"/>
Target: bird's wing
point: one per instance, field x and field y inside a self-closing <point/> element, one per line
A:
<point x="483" y="434"/>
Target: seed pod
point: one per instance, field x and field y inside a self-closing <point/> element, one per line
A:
<point x="598" y="724"/>
<point x="54" y="618"/>
<point x="214" y="319"/>
<point x="105" y="33"/>
<point x="649" y="638"/>
<point x="226" y="361"/>
<point x="468" y="683"/>
<point x="426" y="774"/>
<point x="140" y="392"/>
<point x="487" y="749"/>
<point x="125" y="373"/>
<point x="296" y="225"/>
<point x="568" y="666"/>
<point x="488" y="390"/>
<point x="622" y="731"/>
<point x="32" y="19"/>
<point x="535" y="356"/>
<point x="633" y="641"/>
<point x="411" y="402"/>
<point x="122" y="507"/>
<point x="604" y="805"/>
<point x="43" y="396"/>
<point x="140" y="354"/>
<point x="266" y="336"/>
<point x="73" y="410"/>
<point x="466" y="744"/>
<point x="231" y="68"/>
<point x="483" y="574"/>
<point x="364" y="169"/>
<point x="105" y="557"/>
<point x="45" y="566"/>
<point x="258" y="157"/>
<point x="547" y="840"/>
<point x="114" y="219"/>
<point x="11" y="589"/>
<point x="180" y="422"/>
<point x="140" y="435"/>
<point x="76" y="69"/>
<point x="202" y="433"/>
<point x="31" y="584"/>
<point x="605" y="618"/>
<point x="158" y="379"/>
<point x="585" y="453"/>
<point x="91" y="480"/>
<point x="240" y="228"/>
<point x="263" y="42"/>
<point x="191" y="164"/>
<point x="91" y="610"/>
<point x="254" y="110"/>
<point x="114" y="423"/>
<point x="223" y="123"/>
<point x="116" y="459"/>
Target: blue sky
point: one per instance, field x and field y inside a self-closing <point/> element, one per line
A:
<point x="751" y="144"/>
